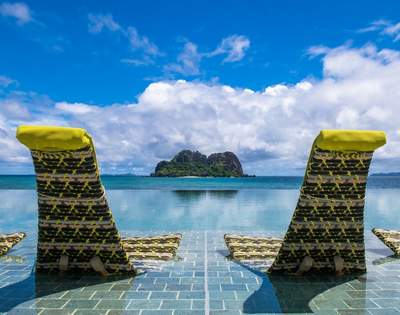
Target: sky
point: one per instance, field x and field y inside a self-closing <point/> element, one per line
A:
<point x="150" y="78"/>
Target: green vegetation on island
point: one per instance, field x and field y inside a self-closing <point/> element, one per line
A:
<point x="193" y="163"/>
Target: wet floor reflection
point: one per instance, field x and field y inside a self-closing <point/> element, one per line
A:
<point x="294" y="294"/>
<point x="25" y="293"/>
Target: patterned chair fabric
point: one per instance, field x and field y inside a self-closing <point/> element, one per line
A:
<point x="390" y="238"/>
<point x="7" y="241"/>
<point x="329" y="217"/>
<point x="74" y="217"/>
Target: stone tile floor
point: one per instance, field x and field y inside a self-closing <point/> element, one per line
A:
<point x="201" y="281"/>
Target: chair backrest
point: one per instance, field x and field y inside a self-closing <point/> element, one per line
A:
<point x="74" y="217"/>
<point x="329" y="217"/>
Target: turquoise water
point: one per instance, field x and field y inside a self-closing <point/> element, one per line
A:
<point x="161" y="183"/>
<point x="175" y="204"/>
<point x="268" y="210"/>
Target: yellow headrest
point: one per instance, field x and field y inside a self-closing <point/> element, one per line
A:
<point x="53" y="138"/>
<point x="350" y="140"/>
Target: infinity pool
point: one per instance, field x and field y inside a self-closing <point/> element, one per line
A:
<point x="267" y="210"/>
<point x="202" y="280"/>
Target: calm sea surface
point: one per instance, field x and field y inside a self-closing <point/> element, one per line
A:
<point x="184" y="204"/>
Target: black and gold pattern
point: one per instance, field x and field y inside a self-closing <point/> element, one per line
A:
<point x="74" y="217"/>
<point x="243" y="247"/>
<point x="328" y="222"/>
<point x="391" y="238"/>
<point x="329" y="217"/>
<point x="76" y="221"/>
<point x="7" y="241"/>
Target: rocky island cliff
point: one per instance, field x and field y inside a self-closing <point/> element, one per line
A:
<point x="194" y="163"/>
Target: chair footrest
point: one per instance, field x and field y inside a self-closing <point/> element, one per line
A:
<point x="159" y="247"/>
<point x="243" y="247"/>
<point x="7" y="241"/>
<point x="390" y="238"/>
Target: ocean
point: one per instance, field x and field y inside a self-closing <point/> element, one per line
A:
<point x="129" y="182"/>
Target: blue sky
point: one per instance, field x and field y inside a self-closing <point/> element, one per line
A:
<point x="57" y="56"/>
<point x="61" y="61"/>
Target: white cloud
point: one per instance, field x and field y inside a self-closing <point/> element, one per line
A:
<point x="101" y="22"/>
<point x="145" y="61"/>
<point x="75" y="108"/>
<point x="141" y="42"/>
<point x="18" y="10"/>
<point x="188" y="61"/>
<point x="234" y="47"/>
<point x="315" y="51"/>
<point x="6" y="81"/>
<point x="393" y="30"/>
<point x="374" y="26"/>
<point x="271" y="130"/>
<point x="385" y="27"/>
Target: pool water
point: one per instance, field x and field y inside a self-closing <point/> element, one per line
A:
<point x="201" y="280"/>
<point x="268" y="210"/>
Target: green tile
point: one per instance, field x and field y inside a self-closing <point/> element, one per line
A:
<point x="360" y="303"/>
<point x="216" y="304"/>
<point x="101" y="286"/>
<point x="57" y="312"/>
<point x="51" y="303"/>
<point x="144" y="304"/>
<point x="164" y="295"/>
<point x="108" y="295"/>
<point x="78" y="294"/>
<point x="112" y="304"/>
<point x="123" y="312"/>
<point x="198" y="305"/>
<point x="358" y="294"/>
<point x="188" y="312"/>
<point x="321" y="312"/>
<point x="156" y="312"/>
<point x="121" y="287"/>
<point x="175" y="304"/>
<point x="80" y="303"/>
<point x="225" y="312"/>
<point x="387" y="303"/>
<point x="133" y="295"/>
<point x="90" y="312"/>
<point x="385" y="311"/>
<point x="353" y="312"/>
<point x="233" y="304"/>
<point x="330" y="304"/>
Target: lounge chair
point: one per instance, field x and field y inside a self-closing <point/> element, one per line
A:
<point x="327" y="228"/>
<point x="7" y="241"/>
<point x="391" y="238"/>
<point x="76" y="227"/>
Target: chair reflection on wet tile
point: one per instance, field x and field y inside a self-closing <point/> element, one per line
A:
<point x="292" y="294"/>
<point x="26" y="293"/>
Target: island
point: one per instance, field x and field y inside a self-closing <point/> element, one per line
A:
<point x="194" y="163"/>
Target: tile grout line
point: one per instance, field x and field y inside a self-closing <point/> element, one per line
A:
<point x="207" y="294"/>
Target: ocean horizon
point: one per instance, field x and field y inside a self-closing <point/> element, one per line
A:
<point x="134" y="182"/>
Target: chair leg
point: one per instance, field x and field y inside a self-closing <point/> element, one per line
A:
<point x="305" y="265"/>
<point x="339" y="265"/>
<point x="98" y="266"/>
<point x="63" y="263"/>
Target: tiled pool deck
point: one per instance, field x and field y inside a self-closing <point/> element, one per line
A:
<point x="202" y="281"/>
